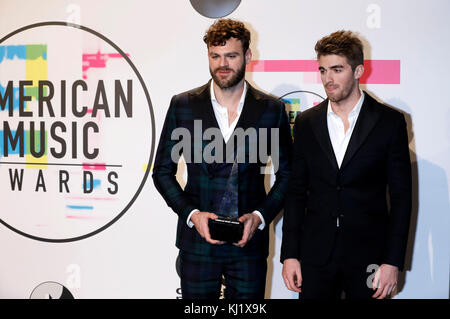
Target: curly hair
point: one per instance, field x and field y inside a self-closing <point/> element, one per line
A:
<point x="224" y="29"/>
<point x="343" y="43"/>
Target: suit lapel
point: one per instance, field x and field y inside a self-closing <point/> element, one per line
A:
<point x="252" y="110"/>
<point x="320" y="128"/>
<point x="202" y="107"/>
<point x="368" y="117"/>
<point x="200" y="101"/>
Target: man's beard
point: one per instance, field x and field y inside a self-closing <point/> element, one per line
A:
<point x="233" y="81"/>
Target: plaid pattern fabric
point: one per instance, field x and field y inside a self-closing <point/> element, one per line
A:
<point x="202" y="277"/>
<point x="205" y="180"/>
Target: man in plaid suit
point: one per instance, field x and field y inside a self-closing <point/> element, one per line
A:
<point x="230" y="105"/>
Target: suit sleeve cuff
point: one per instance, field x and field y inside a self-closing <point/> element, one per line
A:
<point x="188" y="221"/>
<point x="263" y="222"/>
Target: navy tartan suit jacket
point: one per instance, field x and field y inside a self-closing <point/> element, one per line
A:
<point x="206" y="180"/>
<point x="376" y="164"/>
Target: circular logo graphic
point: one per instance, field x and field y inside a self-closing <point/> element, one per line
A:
<point x="299" y="101"/>
<point x="215" y="8"/>
<point x="51" y="290"/>
<point x="77" y="132"/>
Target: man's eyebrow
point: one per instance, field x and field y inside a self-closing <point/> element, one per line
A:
<point x="225" y="54"/>
<point x="334" y="67"/>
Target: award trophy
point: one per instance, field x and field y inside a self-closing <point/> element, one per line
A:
<point x="227" y="227"/>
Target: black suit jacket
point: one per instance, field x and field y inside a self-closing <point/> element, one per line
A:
<point x="376" y="165"/>
<point x="206" y="181"/>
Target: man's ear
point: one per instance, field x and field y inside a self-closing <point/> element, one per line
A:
<point x="359" y="71"/>
<point x="248" y="56"/>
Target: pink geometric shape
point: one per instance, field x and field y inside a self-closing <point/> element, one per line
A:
<point x="311" y="78"/>
<point x="283" y="66"/>
<point x="381" y="72"/>
<point x="97" y="60"/>
<point x="94" y="166"/>
<point x="376" y="71"/>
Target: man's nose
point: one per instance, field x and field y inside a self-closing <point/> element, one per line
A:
<point x="223" y="62"/>
<point x="328" y="77"/>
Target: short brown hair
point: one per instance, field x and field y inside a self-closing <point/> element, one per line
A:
<point x="343" y="43"/>
<point x="224" y="29"/>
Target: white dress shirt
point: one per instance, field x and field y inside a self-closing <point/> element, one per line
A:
<point x="221" y="114"/>
<point x="339" y="138"/>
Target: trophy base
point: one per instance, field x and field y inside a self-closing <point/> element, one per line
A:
<point x="227" y="230"/>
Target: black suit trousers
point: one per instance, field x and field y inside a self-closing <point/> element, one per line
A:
<point x="337" y="278"/>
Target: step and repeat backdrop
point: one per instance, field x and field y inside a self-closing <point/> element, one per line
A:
<point x="84" y="89"/>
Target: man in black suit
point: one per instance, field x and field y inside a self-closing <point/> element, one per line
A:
<point x="231" y="109"/>
<point x="348" y="206"/>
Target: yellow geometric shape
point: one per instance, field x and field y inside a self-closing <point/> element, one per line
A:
<point x="31" y="159"/>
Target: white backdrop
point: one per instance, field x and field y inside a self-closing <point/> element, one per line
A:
<point x="135" y="257"/>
